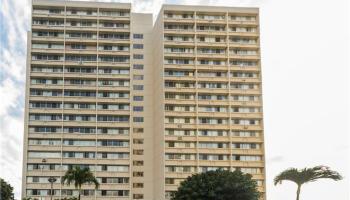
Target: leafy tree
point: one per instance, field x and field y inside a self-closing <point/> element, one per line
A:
<point x="218" y="185"/>
<point x="306" y="175"/>
<point x="79" y="177"/>
<point x="6" y="190"/>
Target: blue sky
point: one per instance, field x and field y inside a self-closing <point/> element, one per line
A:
<point x="305" y="56"/>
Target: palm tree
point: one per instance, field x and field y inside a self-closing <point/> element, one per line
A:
<point x="79" y="177"/>
<point x="306" y="175"/>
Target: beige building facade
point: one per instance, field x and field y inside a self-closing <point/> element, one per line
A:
<point x="143" y="105"/>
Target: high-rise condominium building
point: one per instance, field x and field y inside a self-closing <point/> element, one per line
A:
<point x="142" y="105"/>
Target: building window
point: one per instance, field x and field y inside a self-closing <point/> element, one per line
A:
<point x="137" y="130"/>
<point x="138" y="36"/>
<point x="137" y="185"/>
<point x="138" y="66"/>
<point x="138" y="46"/>
<point x="138" y="56"/>
<point x="137" y="174"/>
<point x="138" y="108"/>
<point x="137" y="141"/>
<point x="138" y="196"/>
<point x="137" y="163"/>
<point x="138" y="119"/>
<point x="138" y="77"/>
<point x="138" y="87"/>
<point x="138" y="98"/>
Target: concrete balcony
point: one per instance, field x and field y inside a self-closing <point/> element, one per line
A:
<point x="46" y="86"/>
<point x="45" y="123"/>
<point x="212" y="67"/>
<point x="248" y="91"/>
<point x="44" y="98"/>
<point x="215" y="163"/>
<point x="115" y="18"/>
<point x="214" y="126"/>
<point x="179" y="78"/>
<point x="46" y="27"/>
<point x="247" y="115"/>
<point x="245" y="80"/>
<point x="180" y="101"/>
<point x="45" y="110"/>
<point x="247" y="139"/>
<point x="181" y="175"/>
<point x="248" y="152"/>
<point x="44" y="148"/>
<point x="211" y="44"/>
<point x="245" y="69"/>
<point x="180" y="138"/>
<point x="246" y="103"/>
<point x="179" y="20"/>
<point x="244" y="57"/>
<point x="181" y="162"/>
<point x="54" y="51"/>
<point x="179" y="43"/>
<point x="91" y="51"/>
<point x="179" y="31"/>
<point x="211" y="21"/>
<point x="212" y="79"/>
<point x="111" y="174"/>
<point x="114" y="30"/>
<point x="81" y="28"/>
<point x="47" y="39"/>
<point x="246" y="127"/>
<point x="248" y="34"/>
<point x="179" y="55"/>
<point x="223" y="151"/>
<point x="213" y="90"/>
<point x="180" y="90"/>
<point x="211" y="32"/>
<point x="47" y="62"/>
<point x="213" y="114"/>
<point x="245" y="46"/>
<point x="84" y="40"/>
<point x="113" y="112"/>
<point x="222" y="56"/>
<point x="180" y="114"/>
<point x="114" y="41"/>
<point x="80" y="87"/>
<point x="115" y="76"/>
<point x="80" y="75"/>
<point x="184" y="126"/>
<point x="117" y="53"/>
<point x="247" y="163"/>
<point x="48" y="15"/>
<point x="174" y="66"/>
<point x="240" y="22"/>
<point x="113" y="100"/>
<point x="180" y="151"/>
<point x="114" y="88"/>
<point x="46" y="74"/>
<point x="213" y="102"/>
<point x="81" y="63"/>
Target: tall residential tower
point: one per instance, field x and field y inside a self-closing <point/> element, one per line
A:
<point x="142" y="105"/>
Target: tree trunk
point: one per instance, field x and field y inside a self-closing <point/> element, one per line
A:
<point x="298" y="192"/>
<point x="79" y="190"/>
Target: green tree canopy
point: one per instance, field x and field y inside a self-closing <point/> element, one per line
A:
<point x="78" y="177"/>
<point x="218" y="185"/>
<point x="306" y="175"/>
<point x="6" y="190"/>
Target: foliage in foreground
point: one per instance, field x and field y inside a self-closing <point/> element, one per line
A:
<point x="306" y="175"/>
<point x="218" y="185"/>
